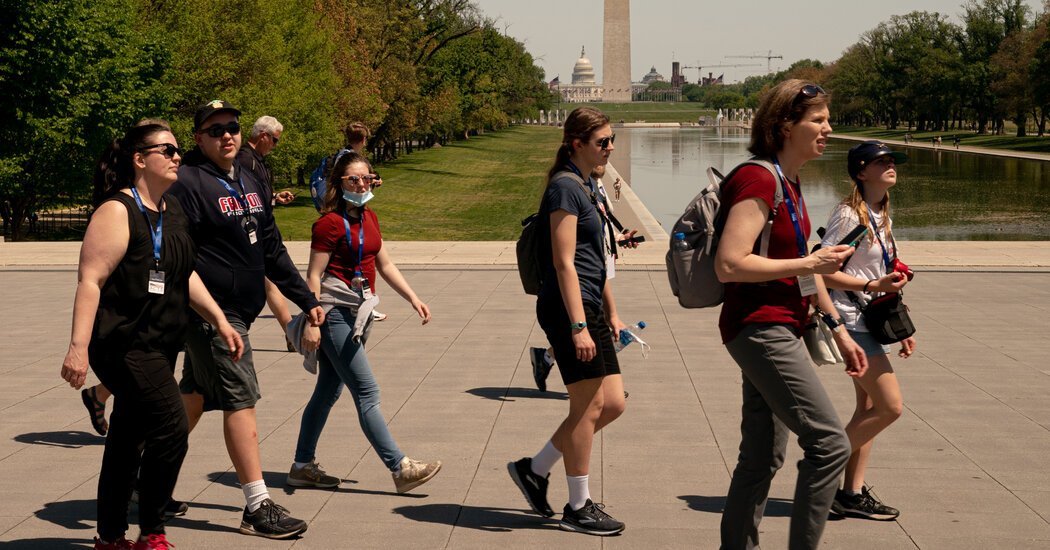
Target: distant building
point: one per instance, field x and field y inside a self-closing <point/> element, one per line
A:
<point x="653" y="76"/>
<point x="583" y="88"/>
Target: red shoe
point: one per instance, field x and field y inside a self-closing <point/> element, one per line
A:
<point x="122" y="544"/>
<point x="156" y="541"/>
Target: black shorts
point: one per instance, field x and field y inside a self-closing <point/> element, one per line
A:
<point x="555" y="324"/>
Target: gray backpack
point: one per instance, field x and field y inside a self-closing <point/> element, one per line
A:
<point x="691" y="267"/>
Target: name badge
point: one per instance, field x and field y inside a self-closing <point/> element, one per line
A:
<point x="610" y="266"/>
<point x="807" y="284"/>
<point x="156" y="282"/>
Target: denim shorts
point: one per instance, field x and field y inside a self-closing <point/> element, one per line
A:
<point x="868" y="343"/>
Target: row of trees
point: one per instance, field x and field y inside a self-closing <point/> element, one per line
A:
<point x="923" y="71"/>
<point x="75" y="73"/>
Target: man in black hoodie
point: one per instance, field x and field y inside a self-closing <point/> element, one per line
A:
<point x="238" y="245"/>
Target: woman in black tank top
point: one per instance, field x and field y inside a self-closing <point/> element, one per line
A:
<point x="135" y="281"/>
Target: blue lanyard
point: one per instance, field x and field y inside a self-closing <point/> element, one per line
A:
<point x="360" y="240"/>
<point x="800" y="237"/>
<point x="875" y="229"/>
<point x="155" y="234"/>
<point x="241" y="198"/>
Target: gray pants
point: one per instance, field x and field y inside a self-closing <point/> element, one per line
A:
<point x="781" y="393"/>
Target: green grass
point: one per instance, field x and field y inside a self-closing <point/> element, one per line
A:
<point x="648" y="111"/>
<point x="472" y="190"/>
<point x="1030" y="144"/>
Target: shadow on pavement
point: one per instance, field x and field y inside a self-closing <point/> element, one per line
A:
<point x="775" y="507"/>
<point x="476" y="517"/>
<point x="68" y="439"/>
<point x="510" y="394"/>
<point x="69" y="514"/>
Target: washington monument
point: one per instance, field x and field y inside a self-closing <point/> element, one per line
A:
<point x="616" y="52"/>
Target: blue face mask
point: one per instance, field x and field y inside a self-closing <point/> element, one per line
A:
<point x="358" y="199"/>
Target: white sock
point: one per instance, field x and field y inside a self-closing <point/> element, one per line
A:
<point x="254" y="494"/>
<point x="299" y="465"/>
<point x="545" y="460"/>
<point x="579" y="491"/>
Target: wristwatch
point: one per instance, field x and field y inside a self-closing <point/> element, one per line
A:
<point x="580" y="325"/>
<point x="834" y="324"/>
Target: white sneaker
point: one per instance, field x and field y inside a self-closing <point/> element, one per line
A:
<point x="378" y="316"/>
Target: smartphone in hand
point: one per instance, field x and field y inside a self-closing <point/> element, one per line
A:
<point x="854" y="237"/>
<point x="635" y="239"/>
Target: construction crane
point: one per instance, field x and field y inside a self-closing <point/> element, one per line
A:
<point x="769" y="57"/>
<point x="700" y="68"/>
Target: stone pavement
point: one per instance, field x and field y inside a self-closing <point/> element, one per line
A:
<point x="966" y="463"/>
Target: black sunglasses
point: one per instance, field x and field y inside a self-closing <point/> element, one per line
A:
<point x="219" y="130"/>
<point x="274" y="139"/>
<point x="811" y="91"/>
<point x="605" y="141"/>
<point x="168" y="150"/>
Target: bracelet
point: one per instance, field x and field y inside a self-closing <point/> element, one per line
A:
<point x="581" y="325"/>
<point x="866" y="285"/>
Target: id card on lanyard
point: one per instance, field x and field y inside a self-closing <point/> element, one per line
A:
<point x="807" y="284"/>
<point x="247" y="221"/>
<point x="155" y="284"/>
<point x="359" y="282"/>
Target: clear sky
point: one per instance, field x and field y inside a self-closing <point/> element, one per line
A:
<point x="692" y="31"/>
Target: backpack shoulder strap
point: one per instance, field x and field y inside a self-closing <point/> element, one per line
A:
<point x="778" y="197"/>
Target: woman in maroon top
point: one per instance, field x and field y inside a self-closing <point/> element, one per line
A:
<point x="766" y="303"/>
<point x="347" y="251"/>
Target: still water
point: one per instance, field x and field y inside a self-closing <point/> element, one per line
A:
<point x="940" y="195"/>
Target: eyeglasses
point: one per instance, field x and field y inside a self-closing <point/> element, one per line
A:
<point x="605" y="141"/>
<point x="368" y="178"/>
<point x="168" y="150"/>
<point x="811" y="91"/>
<point x="274" y="139"/>
<point x="220" y="130"/>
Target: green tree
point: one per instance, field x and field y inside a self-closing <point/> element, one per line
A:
<point x="987" y="23"/>
<point x="73" y="74"/>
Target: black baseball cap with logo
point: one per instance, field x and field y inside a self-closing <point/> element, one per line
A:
<point x="210" y="108"/>
<point x="861" y="155"/>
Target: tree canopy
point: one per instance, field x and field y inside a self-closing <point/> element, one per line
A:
<point x="75" y="73"/>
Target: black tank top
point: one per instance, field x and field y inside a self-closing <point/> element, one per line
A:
<point x="129" y="317"/>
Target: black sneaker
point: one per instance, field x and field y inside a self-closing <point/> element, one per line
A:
<point x="591" y="520"/>
<point x="540" y="368"/>
<point x="532" y="486"/>
<point x="272" y="521"/>
<point x="863" y="506"/>
<point x="175" y="508"/>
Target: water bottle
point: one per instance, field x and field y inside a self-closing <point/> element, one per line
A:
<point x="679" y="244"/>
<point x="630" y="334"/>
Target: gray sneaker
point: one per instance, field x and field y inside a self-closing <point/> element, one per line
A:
<point x="311" y="475"/>
<point x="414" y="473"/>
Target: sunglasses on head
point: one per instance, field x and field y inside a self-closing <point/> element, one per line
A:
<point x="166" y="149"/>
<point x="811" y="91"/>
<point x="220" y="130"/>
<point x="605" y="141"/>
<point x="368" y="178"/>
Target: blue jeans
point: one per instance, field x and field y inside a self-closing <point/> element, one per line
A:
<point x="341" y="361"/>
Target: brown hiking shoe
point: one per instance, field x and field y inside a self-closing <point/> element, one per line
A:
<point x="311" y="475"/>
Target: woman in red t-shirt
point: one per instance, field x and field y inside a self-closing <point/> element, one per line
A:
<point x="766" y="303"/>
<point x="347" y="249"/>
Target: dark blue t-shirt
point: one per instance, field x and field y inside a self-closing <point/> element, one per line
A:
<point x="564" y="193"/>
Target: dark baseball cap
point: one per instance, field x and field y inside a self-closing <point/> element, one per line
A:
<point x="861" y="155"/>
<point x="210" y="108"/>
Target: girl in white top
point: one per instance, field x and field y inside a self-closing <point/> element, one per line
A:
<point x="872" y="165"/>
